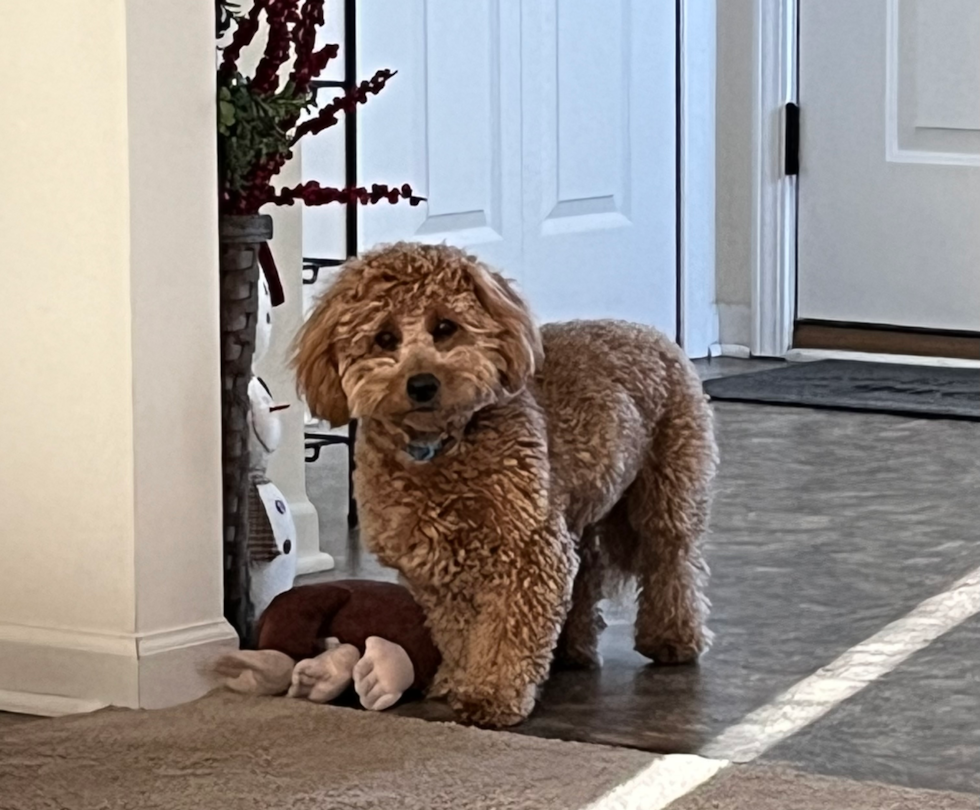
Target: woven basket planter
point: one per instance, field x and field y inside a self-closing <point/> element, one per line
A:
<point x="241" y="238"/>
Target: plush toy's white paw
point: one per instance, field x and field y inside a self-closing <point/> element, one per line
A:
<point x="255" y="672"/>
<point x="383" y="674"/>
<point x="325" y="677"/>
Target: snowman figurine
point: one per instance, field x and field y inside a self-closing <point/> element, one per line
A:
<point x="271" y="531"/>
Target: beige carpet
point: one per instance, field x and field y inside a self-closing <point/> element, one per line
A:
<point x="226" y="751"/>
<point x="755" y="787"/>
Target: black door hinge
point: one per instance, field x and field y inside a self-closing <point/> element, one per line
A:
<point x="792" y="146"/>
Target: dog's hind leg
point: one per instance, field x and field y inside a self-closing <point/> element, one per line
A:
<point x="578" y="645"/>
<point x="668" y="508"/>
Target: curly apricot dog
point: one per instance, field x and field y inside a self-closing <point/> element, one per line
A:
<point x="506" y="471"/>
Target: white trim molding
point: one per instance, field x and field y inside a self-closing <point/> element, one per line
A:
<point x="773" y="193"/>
<point x="52" y="671"/>
<point x="698" y="328"/>
<point x="809" y="355"/>
<point x="46" y="705"/>
<point x="174" y="666"/>
<point x="179" y="638"/>
<point x="730" y="350"/>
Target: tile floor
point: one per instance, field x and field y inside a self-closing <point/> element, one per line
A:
<point x="826" y="527"/>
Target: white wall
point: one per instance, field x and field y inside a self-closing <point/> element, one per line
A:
<point x="734" y="168"/>
<point x="67" y="361"/>
<point x="173" y="256"/>
<point x="110" y="588"/>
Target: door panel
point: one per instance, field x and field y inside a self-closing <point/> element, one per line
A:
<point x="889" y="216"/>
<point x="581" y="108"/>
<point x="599" y="159"/>
<point x="542" y="139"/>
<point x="448" y="123"/>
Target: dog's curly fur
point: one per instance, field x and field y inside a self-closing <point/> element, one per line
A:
<point x="582" y="450"/>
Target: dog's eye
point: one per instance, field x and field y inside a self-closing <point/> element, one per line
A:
<point x="386" y="340"/>
<point x="444" y="329"/>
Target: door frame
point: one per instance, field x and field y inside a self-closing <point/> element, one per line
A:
<point x="697" y="55"/>
<point x="774" y="194"/>
<point x="775" y="214"/>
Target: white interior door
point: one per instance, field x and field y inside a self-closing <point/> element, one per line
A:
<point x="542" y="135"/>
<point x="599" y="159"/>
<point x="889" y="192"/>
<point x="449" y="123"/>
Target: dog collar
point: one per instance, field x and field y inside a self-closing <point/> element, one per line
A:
<point x="424" y="451"/>
<point x="427" y="451"/>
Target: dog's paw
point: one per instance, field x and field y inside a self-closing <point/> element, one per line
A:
<point x="670" y="653"/>
<point x="492" y="711"/>
<point x="577" y="658"/>
<point x="485" y="715"/>
<point x="438" y="691"/>
<point x="441" y="686"/>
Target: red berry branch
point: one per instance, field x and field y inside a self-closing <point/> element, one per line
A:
<point x="283" y="19"/>
<point x="309" y="61"/>
<point x="312" y="193"/>
<point x="258" y="117"/>
<point x="347" y="103"/>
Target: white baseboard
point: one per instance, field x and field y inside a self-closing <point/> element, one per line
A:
<point x="46" y="705"/>
<point x="810" y="355"/>
<point x="120" y="644"/>
<point x="730" y="350"/>
<point x="314" y="563"/>
<point x="52" y="671"/>
<point x="173" y="664"/>
<point x="192" y="635"/>
<point x="309" y="558"/>
<point x="734" y="324"/>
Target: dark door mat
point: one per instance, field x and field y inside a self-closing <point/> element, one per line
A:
<point x="947" y="393"/>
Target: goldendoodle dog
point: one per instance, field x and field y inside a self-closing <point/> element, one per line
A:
<point x="506" y="472"/>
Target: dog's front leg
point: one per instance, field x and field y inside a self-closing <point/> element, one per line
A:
<point x="511" y="641"/>
<point x="449" y="622"/>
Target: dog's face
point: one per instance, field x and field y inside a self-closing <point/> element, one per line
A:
<point x="417" y="336"/>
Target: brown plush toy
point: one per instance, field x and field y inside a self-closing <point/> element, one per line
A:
<point x="314" y="641"/>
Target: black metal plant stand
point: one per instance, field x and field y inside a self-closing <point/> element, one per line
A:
<point x="316" y="441"/>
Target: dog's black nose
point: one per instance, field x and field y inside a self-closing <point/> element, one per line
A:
<point x="422" y="387"/>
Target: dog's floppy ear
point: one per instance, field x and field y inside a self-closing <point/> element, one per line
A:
<point x="315" y="358"/>
<point x="519" y="338"/>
